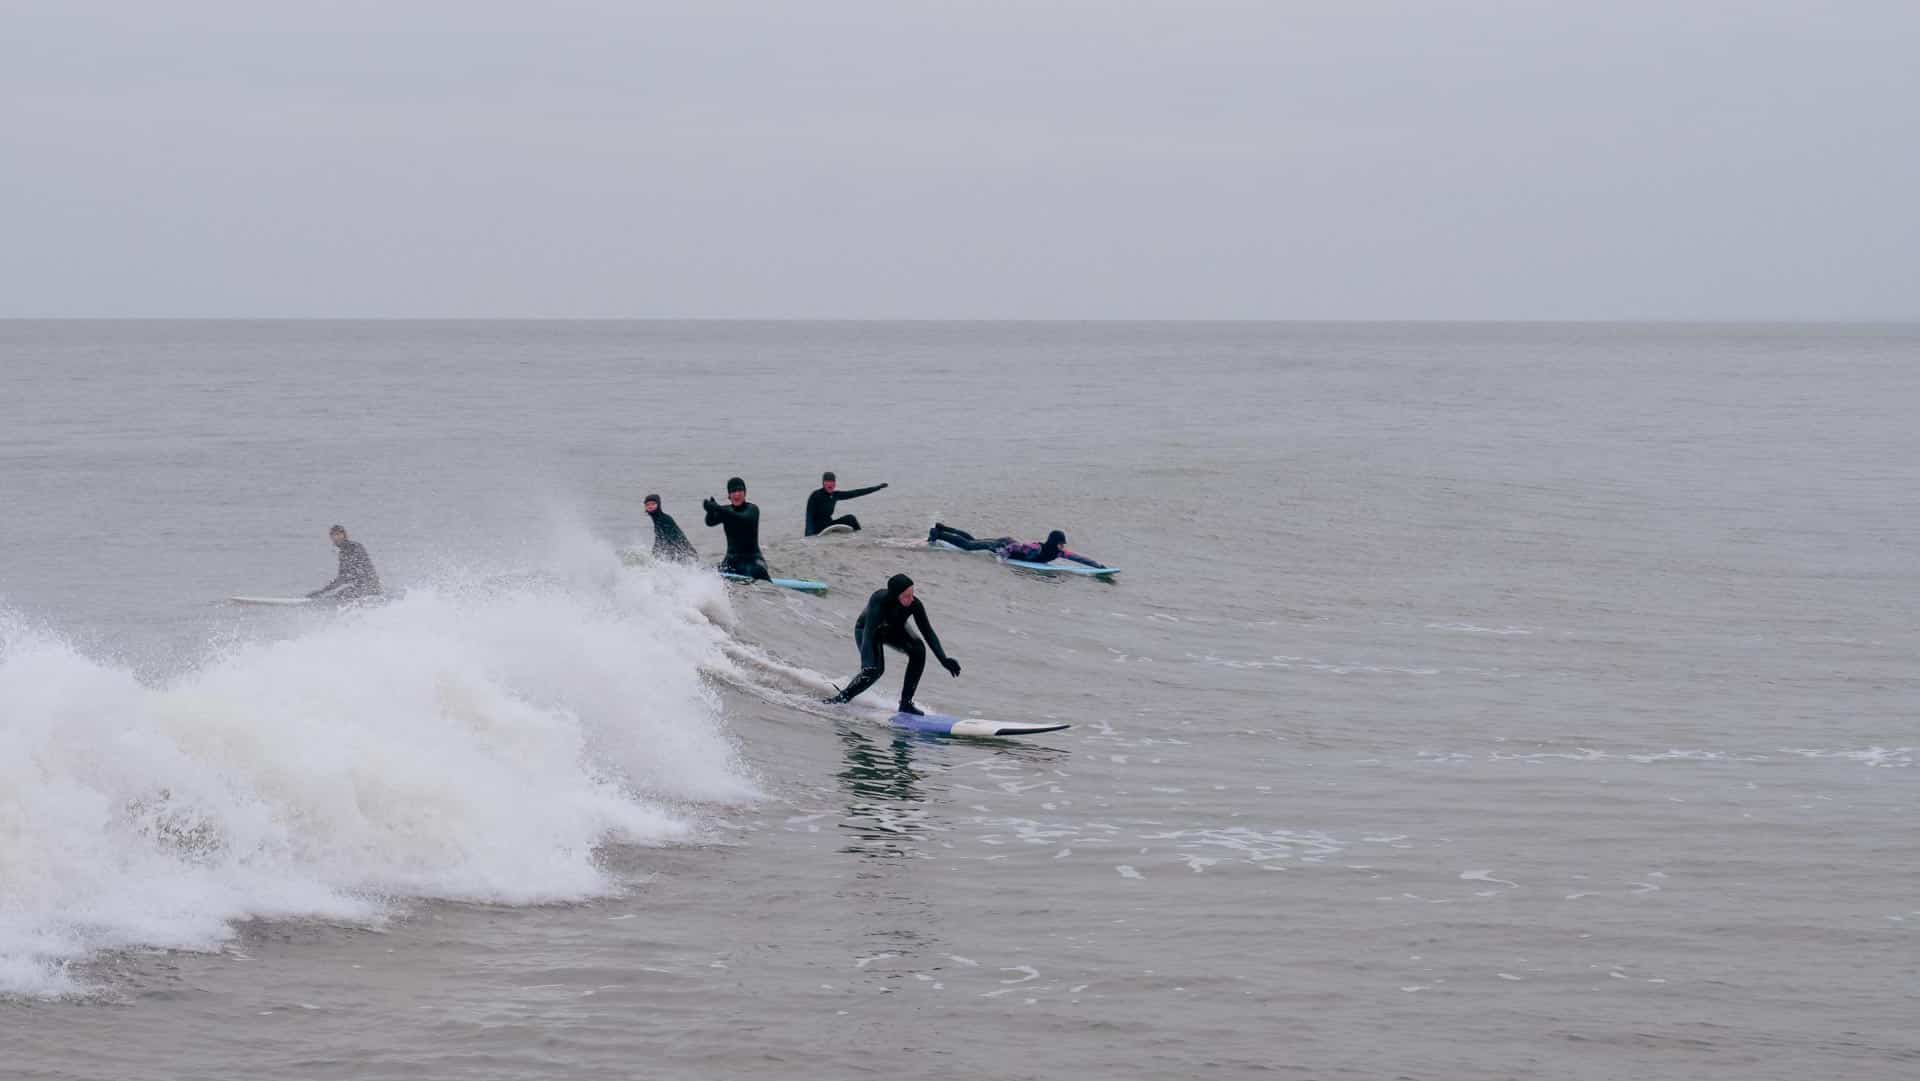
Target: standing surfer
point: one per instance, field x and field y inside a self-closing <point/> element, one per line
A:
<point x="884" y="623"/>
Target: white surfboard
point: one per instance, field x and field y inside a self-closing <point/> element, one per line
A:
<point x="841" y="528"/>
<point x="283" y="602"/>
<point x="939" y="724"/>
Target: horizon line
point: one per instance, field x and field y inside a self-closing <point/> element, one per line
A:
<point x="1318" y="321"/>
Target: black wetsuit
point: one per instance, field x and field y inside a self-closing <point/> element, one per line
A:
<point x="884" y="623"/>
<point x="966" y="541"/>
<point x="1007" y="548"/>
<point x="820" y="507"/>
<point x="668" y="541"/>
<point x="742" y="524"/>
<point x="356" y="578"/>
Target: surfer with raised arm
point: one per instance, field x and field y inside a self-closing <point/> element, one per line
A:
<point x="741" y="520"/>
<point x="821" y="504"/>
<point x="1054" y="547"/>
<point x="356" y="578"/>
<point x="884" y="626"/>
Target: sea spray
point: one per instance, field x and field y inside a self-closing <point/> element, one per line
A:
<point x="475" y="739"/>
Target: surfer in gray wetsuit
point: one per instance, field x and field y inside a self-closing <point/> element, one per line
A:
<point x="668" y="541"/>
<point x="356" y="578"/>
<point x="884" y="624"/>
<point x="1055" y="546"/>
<point x="822" y="503"/>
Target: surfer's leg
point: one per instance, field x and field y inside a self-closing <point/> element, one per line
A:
<point x="871" y="668"/>
<point x="757" y="568"/>
<point x="916" y="652"/>
<point x="965" y="541"/>
<point x="847" y="520"/>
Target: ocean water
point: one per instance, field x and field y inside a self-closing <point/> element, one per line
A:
<point x="1476" y="701"/>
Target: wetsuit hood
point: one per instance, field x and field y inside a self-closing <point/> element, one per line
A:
<point x="1057" y="539"/>
<point x="657" y="505"/>
<point x="735" y="484"/>
<point x="897" y="585"/>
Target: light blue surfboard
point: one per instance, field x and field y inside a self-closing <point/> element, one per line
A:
<point x="800" y="584"/>
<point x="1068" y="567"/>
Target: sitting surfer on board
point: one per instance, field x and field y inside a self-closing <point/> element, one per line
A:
<point x="741" y="520"/>
<point x="668" y="541"/>
<point x="884" y="623"/>
<point x="820" y="505"/>
<point x="356" y="578"/>
<point x="1055" y="546"/>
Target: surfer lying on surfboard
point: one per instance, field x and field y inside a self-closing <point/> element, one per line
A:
<point x="741" y="520"/>
<point x="884" y="623"/>
<point x="822" y="503"/>
<point x="356" y="578"/>
<point x="1055" y="546"/>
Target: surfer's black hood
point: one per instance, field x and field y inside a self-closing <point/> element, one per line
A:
<point x="657" y="505"/>
<point x="897" y="585"/>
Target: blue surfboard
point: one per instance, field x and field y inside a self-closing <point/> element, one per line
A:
<point x="940" y="724"/>
<point x="1041" y="568"/>
<point x="800" y="584"/>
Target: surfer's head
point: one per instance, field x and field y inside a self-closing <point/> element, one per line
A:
<point x="900" y="587"/>
<point x="652" y="503"/>
<point x="338" y="534"/>
<point x="736" y="491"/>
<point x="1057" y="538"/>
<point x="829" y="481"/>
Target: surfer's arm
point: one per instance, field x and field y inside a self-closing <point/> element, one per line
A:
<point x="718" y="511"/>
<point x="926" y="631"/>
<point x="1084" y="560"/>
<point x="855" y="493"/>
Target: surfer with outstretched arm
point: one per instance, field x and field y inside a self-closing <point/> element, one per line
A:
<point x="668" y="541"/>
<point x="1055" y="546"/>
<point x="820" y="505"/>
<point x="884" y="624"/>
<point x="356" y="578"/>
<point x="741" y="520"/>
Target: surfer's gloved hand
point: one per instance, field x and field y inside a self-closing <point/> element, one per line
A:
<point x="952" y="666"/>
<point x="709" y="503"/>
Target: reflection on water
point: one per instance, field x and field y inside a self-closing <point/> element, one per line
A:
<point x="886" y="807"/>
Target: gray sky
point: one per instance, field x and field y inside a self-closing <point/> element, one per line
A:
<point x="1315" y="159"/>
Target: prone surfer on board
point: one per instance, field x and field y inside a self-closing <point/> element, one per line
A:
<point x="1055" y="546"/>
<point x="356" y="578"/>
<point x="668" y="541"/>
<point x="741" y="520"/>
<point x="884" y="623"/>
<point x="820" y="505"/>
